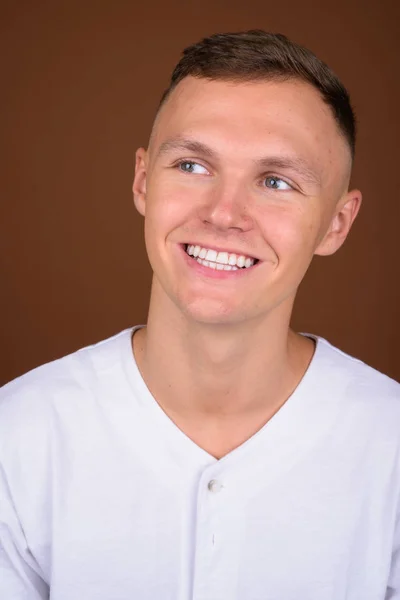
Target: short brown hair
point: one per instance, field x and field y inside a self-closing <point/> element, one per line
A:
<point x="256" y="55"/>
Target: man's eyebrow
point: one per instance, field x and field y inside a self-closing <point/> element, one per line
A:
<point x="293" y="163"/>
<point x="191" y="145"/>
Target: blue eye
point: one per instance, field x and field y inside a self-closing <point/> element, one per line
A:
<point x="189" y="166"/>
<point x="274" y="183"/>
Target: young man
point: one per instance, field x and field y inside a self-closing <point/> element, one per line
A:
<point x="215" y="454"/>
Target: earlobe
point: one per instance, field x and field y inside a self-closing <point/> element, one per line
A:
<point x="341" y="223"/>
<point x="139" y="182"/>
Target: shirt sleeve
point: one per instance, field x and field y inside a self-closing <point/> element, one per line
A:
<point x="393" y="588"/>
<point x="20" y="577"/>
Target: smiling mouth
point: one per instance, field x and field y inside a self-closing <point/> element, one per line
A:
<point x="221" y="261"/>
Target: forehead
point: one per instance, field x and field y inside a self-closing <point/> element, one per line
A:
<point x="250" y="118"/>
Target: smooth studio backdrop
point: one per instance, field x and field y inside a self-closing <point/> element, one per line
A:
<point x="80" y="85"/>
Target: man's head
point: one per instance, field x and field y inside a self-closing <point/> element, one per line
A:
<point x="251" y="155"/>
<point x="260" y="56"/>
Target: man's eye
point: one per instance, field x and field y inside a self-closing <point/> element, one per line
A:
<point x="274" y="183"/>
<point x="188" y="166"/>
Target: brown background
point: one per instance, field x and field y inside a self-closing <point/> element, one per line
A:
<point x="80" y="83"/>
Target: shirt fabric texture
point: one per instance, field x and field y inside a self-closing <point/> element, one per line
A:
<point x="103" y="497"/>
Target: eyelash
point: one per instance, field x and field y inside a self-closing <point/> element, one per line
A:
<point x="277" y="179"/>
<point x="187" y="161"/>
<point x="264" y="178"/>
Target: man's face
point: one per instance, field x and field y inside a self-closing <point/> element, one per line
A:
<point x="256" y="170"/>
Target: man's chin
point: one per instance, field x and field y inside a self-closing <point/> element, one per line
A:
<point x="213" y="313"/>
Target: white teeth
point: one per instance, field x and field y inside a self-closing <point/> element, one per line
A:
<point x="222" y="258"/>
<point x="219" y="260"/>
<point x="216" y="266"/>
<point x="211" y="255"/>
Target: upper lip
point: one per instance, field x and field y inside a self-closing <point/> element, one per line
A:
<point x="229" y="251"/>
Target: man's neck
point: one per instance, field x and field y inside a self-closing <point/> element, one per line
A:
<point x="214" y="372"/>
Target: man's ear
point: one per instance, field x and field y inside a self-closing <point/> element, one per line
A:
<point x="139" y="182"/>
<point x="340" y="225"/>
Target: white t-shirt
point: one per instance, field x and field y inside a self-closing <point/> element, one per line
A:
<point x="103" y="497"/>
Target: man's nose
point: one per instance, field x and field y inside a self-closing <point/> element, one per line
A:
<point x="227" y="207"/>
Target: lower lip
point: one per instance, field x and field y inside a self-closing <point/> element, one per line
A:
<point x="215" y="273"/>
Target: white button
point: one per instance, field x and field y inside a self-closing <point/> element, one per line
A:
<point x="215" y="486"/>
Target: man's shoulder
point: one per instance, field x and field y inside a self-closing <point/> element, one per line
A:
<point x="73" y="369"/>
<point x="361" y="384"/>
<point x="27" y="401"/>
